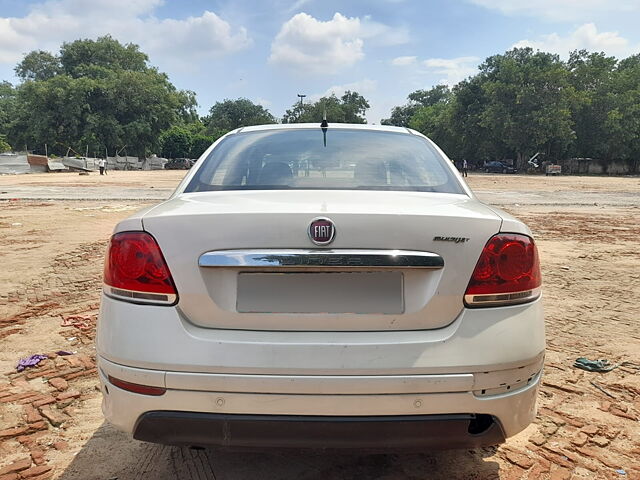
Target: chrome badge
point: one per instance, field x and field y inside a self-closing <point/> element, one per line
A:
<point x="321" y="231"/>
<point x="451" y="239"/>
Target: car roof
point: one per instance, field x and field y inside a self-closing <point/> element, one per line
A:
<point x="350" y="126"/>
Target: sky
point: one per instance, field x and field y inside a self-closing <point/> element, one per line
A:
<point x="269" y="51"/>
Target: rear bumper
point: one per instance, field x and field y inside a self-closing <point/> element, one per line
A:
<point x="287" y="431"/>
<point x="159" y="418"/>
<point x="487" y="362"/>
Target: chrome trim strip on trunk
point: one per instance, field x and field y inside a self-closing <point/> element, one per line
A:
<point x="301" y="258"/>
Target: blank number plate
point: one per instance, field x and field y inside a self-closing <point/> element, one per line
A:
<point x="334" y="292"/>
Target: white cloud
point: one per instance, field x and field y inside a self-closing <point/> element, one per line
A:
<point x="313" y="46"/>
<point x="203" y="36"/>
<point x="364" y="87"/>
<point x="50" y="23"/>
<point x="404" y="61"/>
<point x="380" y="34"/>
<point x="584" y="37"/>
<point x="561" y="10"/>
<point x="453" y="69"/>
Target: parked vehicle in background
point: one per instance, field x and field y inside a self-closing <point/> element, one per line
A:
<point x="553" y="170"/>
<point x="179" y="164"/>
<point x="334" y="287"/>
<point x="499" y="167"/>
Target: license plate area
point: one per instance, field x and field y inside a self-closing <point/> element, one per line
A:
<point x="321" y="292"/>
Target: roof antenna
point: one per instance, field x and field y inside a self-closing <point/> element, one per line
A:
<point x="324" y="126"/>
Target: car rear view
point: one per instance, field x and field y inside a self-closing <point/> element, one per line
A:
<point x="335" y="287"/>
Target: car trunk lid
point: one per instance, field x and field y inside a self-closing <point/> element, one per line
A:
<point x="334" y="287"/>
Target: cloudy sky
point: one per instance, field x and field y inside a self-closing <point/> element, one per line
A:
<point x="271" y="50"/>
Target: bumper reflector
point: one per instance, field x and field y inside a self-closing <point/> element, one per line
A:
<point x="137" y="388"/>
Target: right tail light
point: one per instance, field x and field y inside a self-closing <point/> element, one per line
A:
<point x="507" y="272"/>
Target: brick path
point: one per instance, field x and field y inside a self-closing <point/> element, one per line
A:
<point x="50" y="394"/>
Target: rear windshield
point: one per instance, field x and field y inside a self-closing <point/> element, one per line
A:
<point x="342" y="160"/>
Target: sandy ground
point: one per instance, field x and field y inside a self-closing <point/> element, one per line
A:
<point x="53" y="231"/>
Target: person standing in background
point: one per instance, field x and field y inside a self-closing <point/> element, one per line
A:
<point x="101" y="164"/>
<point x="465" y="165"/>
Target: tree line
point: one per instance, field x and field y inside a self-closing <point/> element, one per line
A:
<point x="101" y="97"/>
<point x="525" y="102"/>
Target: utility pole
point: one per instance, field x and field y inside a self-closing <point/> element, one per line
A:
<point x="301" y="97"/>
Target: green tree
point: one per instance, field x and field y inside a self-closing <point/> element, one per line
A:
<point x="473" y="140"/>
<point x="4" y="146"/>
<point x="51" y="112"/>
<point x="7" y="106"/>
<point x="401" y="116"/>
<point x="434" y="122"/>
<point x="106" y="98"/>
<point x="529" y="103"/>
<point x="200" y="142"/>
<point x="231" y="114"/>
<point x="523" y="102"/>
<point x="592" y="75"/>
<point x="38" y="65"/>
<point x="349" y="108"/>
<point x="622" y="124"/>
<point x="83" y="57"/>
<point x="176" y="142"/>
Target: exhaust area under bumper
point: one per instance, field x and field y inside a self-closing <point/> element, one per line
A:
<point x="383" y="433"/>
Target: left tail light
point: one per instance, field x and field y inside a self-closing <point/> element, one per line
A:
<point x="135" y="270"/>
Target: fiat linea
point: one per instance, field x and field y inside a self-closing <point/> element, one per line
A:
<point x="321" y="286"/>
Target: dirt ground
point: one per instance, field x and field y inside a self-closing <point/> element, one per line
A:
<point x="53" y="233"/>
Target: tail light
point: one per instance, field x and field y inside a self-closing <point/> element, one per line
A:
<point x="507" y="273"/>
<point x="136" y="271"/>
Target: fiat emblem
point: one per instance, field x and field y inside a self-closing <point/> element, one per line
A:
<point x="321" y="231"/>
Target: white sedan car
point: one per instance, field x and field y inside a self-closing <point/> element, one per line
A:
<point x="334" y="286"/>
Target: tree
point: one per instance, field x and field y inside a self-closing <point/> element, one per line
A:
<point x="431" y="111"/>
<point x="529" y="102"/>
<point x="622" y="124"/>
<point x="82" y="57"/>
<point x="231" y="114"/>
<point x="354" y="106"/>
<point x="105" y="97"/>
<point x="592" y="75"/>
<point x="522" y="102"/>
<point x="401" y="116"/>
<point x="175" y="142"/>
<point x="7" y="106"/>
<point x="350" y="108"/>
<point x="38" y="65"/>
<point x="473" y="139"/>
<point x="4" y="146"/>
<point x="200" y="142"/>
